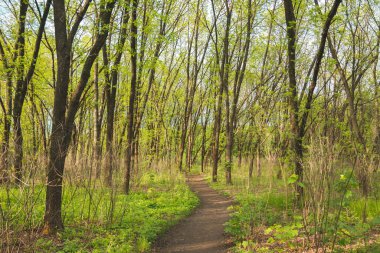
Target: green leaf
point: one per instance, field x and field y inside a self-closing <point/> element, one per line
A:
<point x="301" y="184"/>
<point x="292" y="179"/>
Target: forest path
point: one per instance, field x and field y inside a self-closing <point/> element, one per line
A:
<point x="203" y="231"/>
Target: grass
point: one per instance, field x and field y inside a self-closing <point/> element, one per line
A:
<point x="265" y="218"/>
<point x="97" y="219"/>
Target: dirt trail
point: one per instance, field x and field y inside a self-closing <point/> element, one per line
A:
<point x="203" y="231"/>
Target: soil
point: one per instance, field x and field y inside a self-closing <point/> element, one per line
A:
<point x="203" y="231"/>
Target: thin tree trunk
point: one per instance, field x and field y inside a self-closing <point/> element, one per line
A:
<point x="204" y="133"/>
<point x="98" y="124"/>
<point x="111" y="89"/>
<point x="132" y="97"/>
<point x="224" y="80"/>
<point x="298" y="122"/>
<point x="20" y="93"/>
<point x="23" y="81"/>
<point x="7" y="110"/>
<point x="216" y="134"/>
<point x="293" y="100"/>
<point x="251" y="161"/>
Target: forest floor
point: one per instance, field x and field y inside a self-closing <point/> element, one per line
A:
<point x="264" y="218"/>
<point x="97" y="219"/>
<point x="203" y="231"/>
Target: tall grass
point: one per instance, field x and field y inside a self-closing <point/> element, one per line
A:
<point x="97" y="218"/>
<point x="333" y="215"/>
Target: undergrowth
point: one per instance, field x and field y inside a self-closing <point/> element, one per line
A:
<point x="96" y="219"/>
<point x="265" y="217"/>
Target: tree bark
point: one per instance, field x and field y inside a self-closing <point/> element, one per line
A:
<point x="111" y="89"/>
<point x="132" y="98"/>
<point x="98" y="118"/>
<point x="204" y="135"/>
<point x="62" y="124"/>
<point x="7" y="110"/>
<point x="23" y="81"/>
<point x="293" y="97"/>
<point x="297" y="121"/>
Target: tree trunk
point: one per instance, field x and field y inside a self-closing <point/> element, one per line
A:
<point x="293" y="100"/>
<point x="20" y="93"/>
<point x="98" y="124"/>
<point x="216" y="134"/>
<point x="111" y="89"/>
<point x="203" y="150"/>
<point x="4" y="163"/>
<point x="23" y="81"/>
<point x="132" y="98"/>
<point x="251" y="162"/>
<point x="258" y="162"/>
<point x="62" y="124"/>
<point x="191" y="83"/>
<point x="58" y="151"/>
<point x="298" y="122"/>
<point x="111" y="100"/>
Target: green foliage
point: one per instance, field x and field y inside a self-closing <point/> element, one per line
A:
<point x="137" y="218"/>
<point x="283" y="233"/>
<point x="255" y="211"/>
<point x="370" y="206"/>
<point x="346" y="182"/>
<point x="264" y="219"/>
<point x="293" y="179"/>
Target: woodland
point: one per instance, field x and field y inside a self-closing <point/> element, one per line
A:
<point x="107" y="106"/>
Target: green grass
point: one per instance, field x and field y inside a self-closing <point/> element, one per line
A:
<point x="99" y="219"/>
<point x="370" y="206"/>
<point x="266" y="219"/>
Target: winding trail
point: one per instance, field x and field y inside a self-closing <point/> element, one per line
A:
<point x="203" y="231"/>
